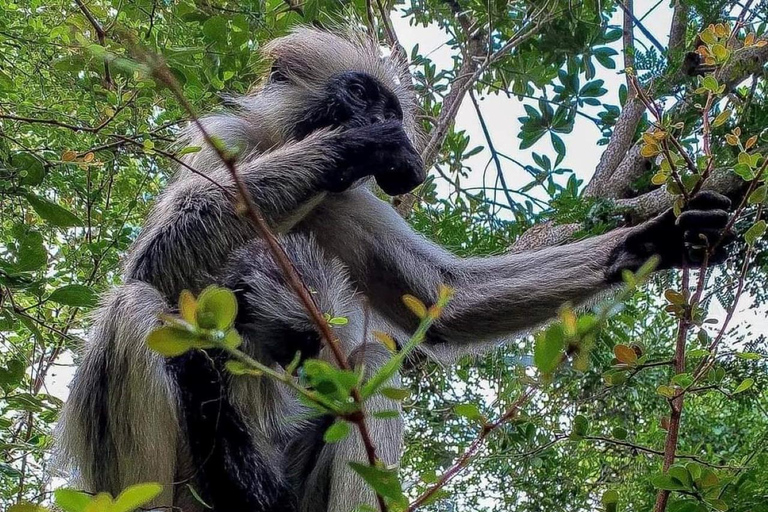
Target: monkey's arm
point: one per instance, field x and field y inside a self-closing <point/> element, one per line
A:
<point x="496" y="297"/>
<point x="194" y="226"/>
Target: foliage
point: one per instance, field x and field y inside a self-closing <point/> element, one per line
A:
<point x="85" y="147"/>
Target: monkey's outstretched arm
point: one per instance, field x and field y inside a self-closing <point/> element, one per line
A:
<point x="496" y="297"/>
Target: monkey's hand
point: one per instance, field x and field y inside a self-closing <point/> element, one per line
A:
<point x="382" y="150"/>
<point x="699" y="230"/>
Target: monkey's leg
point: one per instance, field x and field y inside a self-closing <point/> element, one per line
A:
<point x="119" y="425"/>
<point x="234" y="467"/>
<point x="275" y="325"/>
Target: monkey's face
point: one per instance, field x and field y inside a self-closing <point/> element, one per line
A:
<point x="369" y="112"/>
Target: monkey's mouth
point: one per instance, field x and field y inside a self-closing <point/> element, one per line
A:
<point x="398" y="182"/>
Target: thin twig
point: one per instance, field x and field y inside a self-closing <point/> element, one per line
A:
<point x="101" y="35"/>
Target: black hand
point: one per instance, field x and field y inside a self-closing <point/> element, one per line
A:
<point x="382" y="150"/>
<point x="678" y="240"/>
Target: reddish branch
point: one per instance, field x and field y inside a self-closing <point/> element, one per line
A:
<point x="467" y="456"/>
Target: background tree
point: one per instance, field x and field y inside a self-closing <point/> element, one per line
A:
<point x="670" y="413"/>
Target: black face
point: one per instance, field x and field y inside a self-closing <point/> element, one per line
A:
<point x="353" y="99"/>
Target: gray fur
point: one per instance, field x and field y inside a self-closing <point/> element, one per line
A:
<point x="121" y="423"/>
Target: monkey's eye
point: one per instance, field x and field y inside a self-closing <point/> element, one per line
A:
<point x="358" y="91"/>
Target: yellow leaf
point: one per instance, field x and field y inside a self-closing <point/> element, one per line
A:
<point x="737" y="131"/>
<point x="721" y="118"/>
<point x="88" y="157"/>
<point x="68" y="155"/>
<point x="648" y="138"/>
<point x="659" y="135"/>
<point x="650" y="150"/>
<point x="749" y="39"/>
<point x="750" y="142"/>
<point x="731" y="139"/>
<point x="415" y="305"/>
<point x="624" y="354"/>
<point x="721" y="30"/>
<point x="568" y="319"/>
<point x="761" y="43"/>
<point x="708" y="35"/>
<point x="659" y="178"/>
<point x="386" y="340"/>
<point x="188" y="306"/>
<point x="675" y="297"/>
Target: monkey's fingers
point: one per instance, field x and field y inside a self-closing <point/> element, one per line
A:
<point x="709" y="200"/>
<point x="703" y="219"/>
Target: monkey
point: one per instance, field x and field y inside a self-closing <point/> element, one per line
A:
<point x="331" y="117"/>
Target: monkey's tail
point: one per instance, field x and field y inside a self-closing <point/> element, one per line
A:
<point x="120" y="424"/>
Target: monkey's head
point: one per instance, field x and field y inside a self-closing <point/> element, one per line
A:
<point x="326" y="80"/>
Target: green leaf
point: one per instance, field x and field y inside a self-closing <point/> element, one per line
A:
<point x="755" y="232"/>
<point x="709" y="82"/>
<point x="215" y="29"/>
<point x="189" y="149"/>
<point x="171" y="341"/>
<point x="53" y="213"/>
<point x="339" y="320"/>
<point x="338" y="431"/>
<point x="216" y="308"/>
<point x="469" y="411"/>
<point x="580" y="425"/>
<point x="70" y="500"/>
<point x="382" y="480"/>
<point x="559" y="146"/>
<point x="610" y="497"/>
<point x="31" y="253"/>
<point x="745" y="171"/>
<point x="745" y="385"/>
<point x="31" y="168"/>
<point x="758" y="195"/>
<point x="395" y="393"/>
<point x="666" y="391"/>
<point x="667" y="483"/>
<point x="549" y="348"/>
<point x="27" y="507"/>
<point x="135" y="496"/>
<point x="75" y="295"/>
<point x="620" y="433"/>
<point x="681" y="474"/>
<point x="718" y="504"/>
<point x="239" y="368"/>
<point x="232" y="339"/>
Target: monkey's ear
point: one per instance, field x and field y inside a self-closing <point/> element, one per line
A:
<point x="276" y="74"/>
